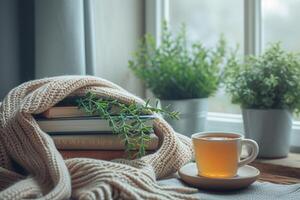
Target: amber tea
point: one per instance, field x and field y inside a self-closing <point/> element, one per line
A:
<point x="218" y="154"/>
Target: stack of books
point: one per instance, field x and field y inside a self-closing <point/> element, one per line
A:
<point x="77" y="134"/>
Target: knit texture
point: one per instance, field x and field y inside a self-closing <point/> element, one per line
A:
<point x="31" y="166"/>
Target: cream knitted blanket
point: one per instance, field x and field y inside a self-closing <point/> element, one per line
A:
<point x="31" y="167"/>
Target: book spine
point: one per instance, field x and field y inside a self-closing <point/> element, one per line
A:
<point x="96" y="142"/>
<point x="70" y="111"/>
<point x="67" y="112"/>
<point x="80" y="125"/>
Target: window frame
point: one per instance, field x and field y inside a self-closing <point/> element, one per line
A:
<point x="158" y="10"/>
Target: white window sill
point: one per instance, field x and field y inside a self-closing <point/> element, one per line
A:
<point x="234" y="123"/>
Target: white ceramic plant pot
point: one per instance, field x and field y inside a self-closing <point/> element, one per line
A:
<point x="271" y="129"/>
<point x="192" y="115"/>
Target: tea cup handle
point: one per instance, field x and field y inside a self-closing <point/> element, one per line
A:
<point x="253" y="151"/>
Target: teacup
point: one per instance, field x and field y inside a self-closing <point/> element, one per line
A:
<point x="217" y="154"/>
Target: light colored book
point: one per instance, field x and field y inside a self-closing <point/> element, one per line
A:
<point x="64" y="111"/>
<point x="82" y="124"/>
<point x="97" y="142"/>
<point x="69" y="111"/>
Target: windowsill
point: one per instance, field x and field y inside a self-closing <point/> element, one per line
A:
<point x="281" y="170"/>
<point x="292" y="161"/>
<point x="234" y="123"/>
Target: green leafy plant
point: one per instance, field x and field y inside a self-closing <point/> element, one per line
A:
<point x="127" y="120"/>
<point x="269" y="81"/>
<point x="175" y="71"/>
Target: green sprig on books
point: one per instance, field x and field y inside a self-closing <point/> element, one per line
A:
<point x="127" y="121"/>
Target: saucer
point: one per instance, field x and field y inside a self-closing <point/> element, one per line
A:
<point x="246" y="175"/>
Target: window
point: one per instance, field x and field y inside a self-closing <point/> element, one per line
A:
<point x="279" y="21"/>
<point x="206" y="20"/>
<point x="264" y="21"/>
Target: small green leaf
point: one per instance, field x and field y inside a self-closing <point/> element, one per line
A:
<point x="128" y="123"/>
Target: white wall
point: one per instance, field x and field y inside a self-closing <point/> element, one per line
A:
<point x="119" y="25"/>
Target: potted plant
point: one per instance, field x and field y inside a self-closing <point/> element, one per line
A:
<point x="181" y="76"/>
<point x="268" y="89"/>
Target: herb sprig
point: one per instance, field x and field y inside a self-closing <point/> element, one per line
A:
<point x="126" y="120"/>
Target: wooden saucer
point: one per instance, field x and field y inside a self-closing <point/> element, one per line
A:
<point x="246" y="176"/>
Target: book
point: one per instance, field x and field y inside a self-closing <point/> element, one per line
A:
<point x="97" y="141"/>
<point x="82" y="124"/>
<point x="64" y="111"/>
<point x="70" y="111"/>
<point x="101" y="155"/>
